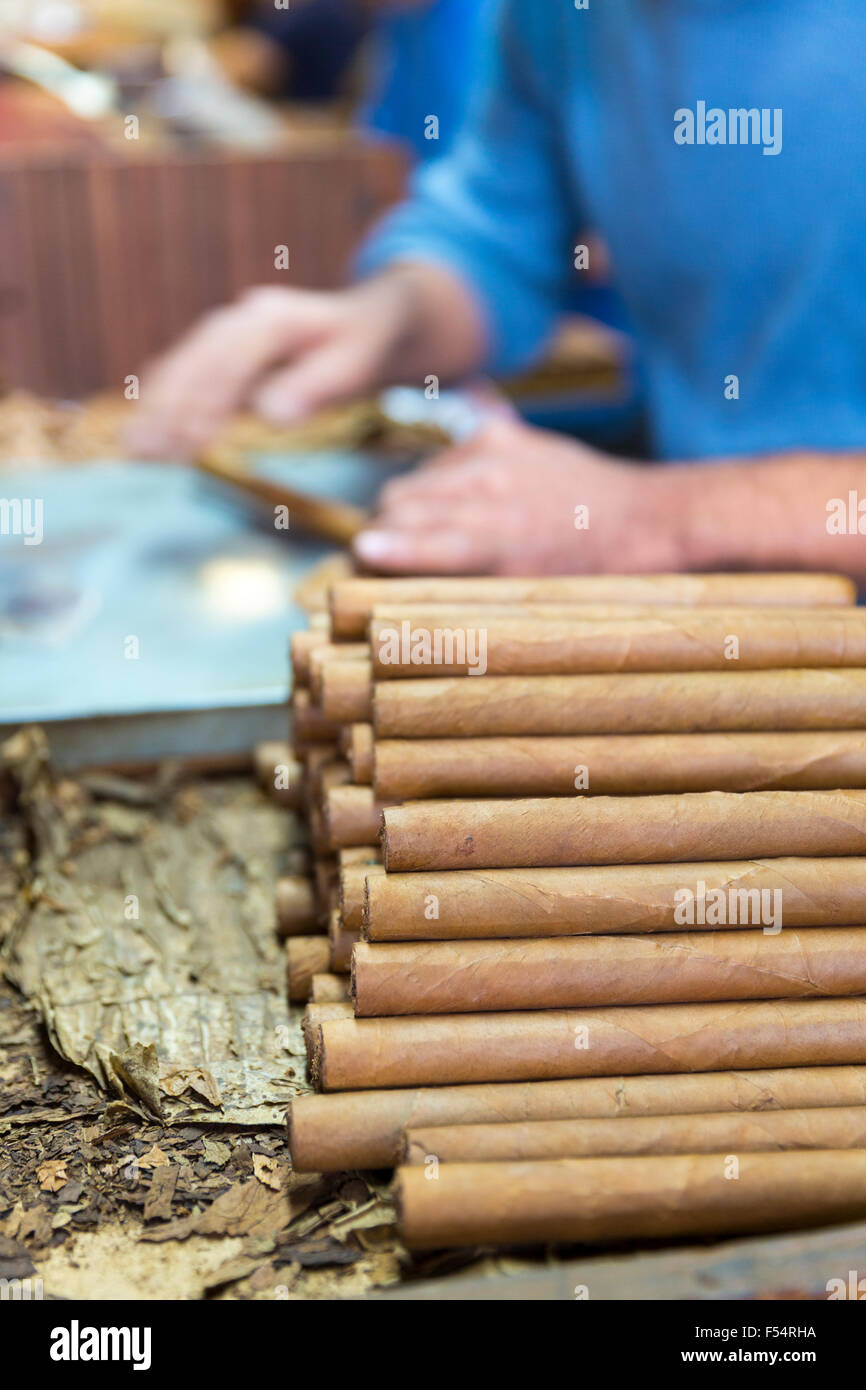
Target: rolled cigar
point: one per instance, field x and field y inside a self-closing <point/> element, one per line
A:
<point x="359" y="854"/>
<point x="329" y="989"/>
<point x="279" y="773"/>
<point x="462" y="615"/>
<point x="325" y="877"/>
<point x="358" y="742"/>
<point x="316" y="758"/>
<point x="334" y="774"/>
<point x="347" y="692"/>
<point x="353" y="883"/>
<point x="316" y="1013"/>
<point x="737" y="639"/>
<point x="296" y="905"/>
<point x="353" y="816"/>
<point x="352" y="600"/>
<point x="617" y="764"/>
<point x="301" y="646"/>
<point x="614" y="898"/>
<point x="331" y="652"/>
<point x="320" y="836"/>
<point x="306" y="956"/>
<point x="309" y="725"/>
<point x="842" y="1127"/>
<point x="320" y="1012"/>
<point x="299" y="861"/>
<point x="455" y="977"/>
<point x="439" y="1050"/>
<point x="364" y="1129"/>
<point x="621" y="829"/>
<point x="609" y="1199"/>
<point x="342" y="944"/>
<point x="632" y="703"/>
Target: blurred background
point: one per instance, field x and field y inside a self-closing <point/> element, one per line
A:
<point x="158" y="157"/>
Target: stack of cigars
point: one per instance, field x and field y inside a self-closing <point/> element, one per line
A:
<point x="584" y="941"/>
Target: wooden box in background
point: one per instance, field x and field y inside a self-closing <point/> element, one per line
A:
<point x="104" y="260"/>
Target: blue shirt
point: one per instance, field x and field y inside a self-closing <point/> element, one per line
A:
<point x="742" y="265"/>
<point x="422" y="65"/>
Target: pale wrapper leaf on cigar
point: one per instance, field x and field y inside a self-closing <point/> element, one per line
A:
<point x="701" y="640"/>
<point x="438" y="1050"/>
<point x="611" y="1199"/>
<point x="557" y="831"/>
<point x="532" y="902"/>
<point x="624" y="703"/>
<point x="836" y="1127"/>
<point x="454" y="977"/>
<point x="415" y="769"/>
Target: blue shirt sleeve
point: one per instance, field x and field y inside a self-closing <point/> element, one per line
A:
<point x="496" y="210"/>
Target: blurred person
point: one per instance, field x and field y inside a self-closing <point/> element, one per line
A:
<point x="715" y="147"/>
<point x="304" y="54"/>
<point x="417" y="59"/>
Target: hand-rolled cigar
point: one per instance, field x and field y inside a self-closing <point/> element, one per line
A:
<point x="353" y="883"/>
<point x="347" y="692"/>
<point x="357" y="740"/>
<point x="410" y="769"/>
<point x="352" y="600"/>
<point x="608" y="1199"/>
<point x="463" y="615"/>
<point x="630" y="703"/>
<point x="320" y="837"/>
<point x="353" y="816"/>
<point x="329" y="989"/>
<point x="325" y="878"/>
<point x="333" y="651"/>
<point x="301" y="646"/>
<point x="295" y="905"/>
<point x="734" y="639"/>
<point x="440" y="1050"/>
<point x="839" y="1127"/>
<point x="316" y="758"/>
<point x="364" y="1129"/>
<point x="331" y="774"/>
<point x="306" y="956"/>
<point x="309" y="725"/>
<point x="506" y="903"/>
<point x="279" y="773"/>
<point x="316" y="1013"/>
<point x="621" y="829"/>
<point x="359" y="854"/>
<point x="299" y="860"/>
<point x="456" y="977"/>
<point x="342" y="944"/>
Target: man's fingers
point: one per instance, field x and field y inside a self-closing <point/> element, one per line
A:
<point x="212" y="371"/>
<point x="333" y="372"/>
<point x="430" y="552"/>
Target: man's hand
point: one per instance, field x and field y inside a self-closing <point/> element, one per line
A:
<point x="286" y="353"/>
<point x="516" y="500"/>
<point x="280" y="352"/>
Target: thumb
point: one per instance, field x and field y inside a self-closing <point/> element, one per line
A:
<point x="425" y="552"/>
<point x="333" y="372"/>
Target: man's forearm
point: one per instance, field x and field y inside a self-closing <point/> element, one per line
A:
<point x="784" y="511"/>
